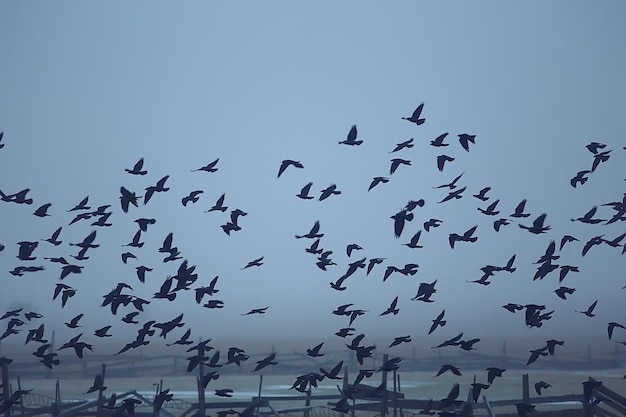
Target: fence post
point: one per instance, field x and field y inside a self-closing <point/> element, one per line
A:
<point x="525" y="390"/>
<point x="5" y="388"/>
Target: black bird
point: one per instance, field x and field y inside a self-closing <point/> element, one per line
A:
<point x="442" y="159"/>
<point x="315" y="351"/>
<point x="599" y="158"/>
<point x="81" y="206"/>
<point x="78" y="346"/>
<point x="414" y="240"/>
<point x="579" y="178"/>
<point x="611" y="327"/>
<point x="392" y="309"/>
<point x="425" y="291"/>
<point x="432" y="223"/>
<point x="304" y="192"/>
<point x="594" y="146"/>
<point x="551" y="345"/>
<point x="256" y="262"/>
<point x="466" y="237"/>
<point x="352" y="247"/>
<point x="211" y="167"/>
<point x="54" y="239"/>
<point x="351" y="138"/>
<point x="403" y="145"/>
<point x="537" y="227"/>
<point x="456" y="194"/>
<point x="438" y="141"/>
<point x="562" y="291"/>
<point x="268" y="360"/>
<point x="313" y="233"/>
<point x="128" y="198"/>
<point x="396" y="162"/>
<point x="376" y="181"/>
<point x="497" y="224"/>
<point x="373" y="262"/>
<point x="219" y="205"/>
<point x="103" y="332"/>
<point x="596" y="240"/>
<point x="98" y="385"/>
<point x="541" y="385"/>
<point x="286" y="163"/>
<point x="482" y="194"/>
<point x="524" y="408"/>
<point x="137" y="169"/>
<point x="314" y="248"/>
<point x="536" y="353"/>
<point x="464" y="140"/>
<point x="438" y="322"/>
<point x="328" y="191"/>
<point x="141" y="272"/>
<point x="42" y="211"/>
<point x="192" y="197"/>
<point x="144" y="223"/>
<point x="415" y="117"/>
<point x="256" y="311"/>
<point x="519" y="210"/>
<point x="26" y="250"/>
<point x="158" y="188"/>
<point x="448" y="368"/>
<point x="491" y="209"/>
<point x="399" y="219"/>
<point x="589" y="312"/>
<point x="494" y="372"/>
<point x="476" y="388"/>
<point x="72" y="324"/>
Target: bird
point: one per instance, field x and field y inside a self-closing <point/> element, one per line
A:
<point x="392" y="309"/>
<point x="442" y="159"/>
<point x="192" y="197"/>
<point x="328" y="191"/>
<point x="477" y="387"/>
<point x="256" y="262"/>
<point x="351" y="138"/>
<point x="567" y="239"/>
<point x="482" y="194"/>
<point x="493" y="372"/>
<point x="98" y="385"/>
<point x="144" y="223"/>
<point x="210" y="167"/>
<point x="611" y="327"/>
<point x="127" y="198"/>
<point x="562" y="292"/>
<point x="551" y="345"/>
<point x="414" y="240"/>
<point x="415" y="117"/>
<point x="103" y="332"/>
<point x="432" y="223"/>
<point x="315" y="351"/>
<point x="491" y="209"/>
<point x="399" y="219"/>
<point x="313" y="233"/>
<point x="42" y="211"/>
<point x="579" y="178"/>
<point x="589" y="312"/>
<point x="286" y="163"/>
<point x="352" y="247"/>
<point x="465" y="139"/>
<point x="466" y="237"/>
<point x="438" y="141"/>
<point x="448" y="368"/>
<point x="268" y="360"/>
<point x="537" y="227"/>
<point x="159" y="187"/>
<point x="54" y="239"/>
<point x="376" y="181"/>
<point x="406" y="144"/>
<point x="73" y="324"/>
<point x="588" y="217"/>
<point x="304" y="192"/>
<point x="400" y="339"/>
<point x="396" y="162"/>
<point x="541" y="385"/>
<point x="137" y="168"/>
<point x="438" y="322"/>
<point x="256" y="311"/>
<point x="497" y="224"/>
<point x="456" y="194"/>
<point x="519" y="210"/>
<point x="452" y="184"/>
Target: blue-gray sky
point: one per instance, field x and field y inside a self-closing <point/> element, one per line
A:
<point x="88" y="88"/>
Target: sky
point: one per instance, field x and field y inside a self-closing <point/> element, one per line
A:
<point x="86" y="90"/>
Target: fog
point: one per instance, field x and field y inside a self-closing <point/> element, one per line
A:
<point x="87" y="91"/>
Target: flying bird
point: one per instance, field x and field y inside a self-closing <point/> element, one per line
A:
<point x="286" y="163"/>
<point x="137" y="169"/>
<point x="304" y="192"/>
<point x="406" y="144"/>
<point x="537" y="227"/>
<point x="465" y="139"/>
<point x="415" y="117"/>
<point x="351" y="138"/>
<point x="211" y="167"/>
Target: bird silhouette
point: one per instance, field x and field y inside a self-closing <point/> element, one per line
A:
<point x="127" y="198"/>
<point x="540" y="386"/>
<point x="42" y="211"/>
<point x="491" y="209"/>
<point x="376" y="181"/>
<point x="304" y="192"/>
<point x="328" y="191"/>
<point x="438" y="141"/>
<point x="286" y="163"/>
<point x="465" y="237"/>
<point x="396" y="162"/>
<point x="465" y="139"/>
<point x="137" y="168"/>
<point x="268" y="360"/>
<point x="415" y="117"/>
<point x="392" y="309"/>
<point x="192" y="197"/>
<point x="399" y="219"/>
<point x="210" y="167"/>
<point x="448" y="368"/>
<point x="589" y="311"/>
<point x="313" y="233"/>
<point x="315" y="351"/>
<point x="351" y="138"/>
<point x="158" y="188"/>
<point x="256" y="262"/>
<point x="519" y="210"/>
<point x="537" y="227"/>
<point x="580" y="178"/>
<point x="438" y="322"/>
<point x="403" y="145"/>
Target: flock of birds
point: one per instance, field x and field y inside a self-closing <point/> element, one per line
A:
<point x="69" y="259"/>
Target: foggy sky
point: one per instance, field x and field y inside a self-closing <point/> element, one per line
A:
<point x="87" y="90"/>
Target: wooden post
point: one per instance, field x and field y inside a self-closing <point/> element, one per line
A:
<point x="256" y="409"/>
<point x="101" y="392"/>
<point x="395" y="387"/>
<point x="383" y="403"/>
<point x="525" y="390"/>
<point x="19" y="388"/>
<point x="201" y="399"/>
<point x="5" y="388"/>
<point x="201" y="405"/>
<point x="57" y="400"/>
